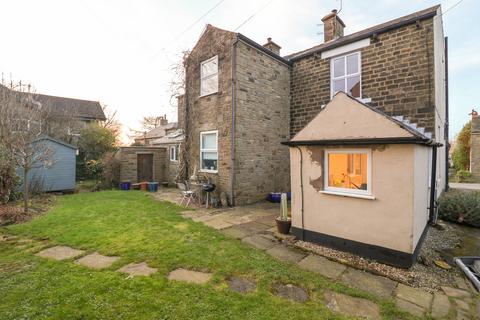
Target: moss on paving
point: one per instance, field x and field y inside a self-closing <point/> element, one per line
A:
<point x="137" y="228"/>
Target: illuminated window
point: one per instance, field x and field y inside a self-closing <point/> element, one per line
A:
<point x="348" y="171"/>
<point x="346" y="74"/>
<point x="209" y="76"/>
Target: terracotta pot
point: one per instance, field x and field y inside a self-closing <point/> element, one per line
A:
<point x="283" y="226"/>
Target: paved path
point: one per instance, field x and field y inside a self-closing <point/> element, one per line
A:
<point x="466" y="186"/>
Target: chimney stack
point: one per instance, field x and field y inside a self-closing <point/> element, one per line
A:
<point x="163" y="120"/>
<point x="332" y="26"/>
<point x="272" y="46"/>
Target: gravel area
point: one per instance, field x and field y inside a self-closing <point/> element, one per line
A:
<point x="424" y="274"/>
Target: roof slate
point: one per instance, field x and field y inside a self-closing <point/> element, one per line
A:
<point x="85" y="109"/>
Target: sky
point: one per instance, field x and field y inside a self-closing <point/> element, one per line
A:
<point x="121" y="52"/>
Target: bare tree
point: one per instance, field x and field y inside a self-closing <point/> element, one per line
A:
<point x="112" y="123"/>
<point x="23" y="126"/>
<point x="151" y="122"/>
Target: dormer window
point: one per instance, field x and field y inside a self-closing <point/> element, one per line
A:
<point x="346" y="75"/>
<point x="209" y="76"/>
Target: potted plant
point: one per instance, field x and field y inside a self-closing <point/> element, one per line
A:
<point x="284" y="223"/>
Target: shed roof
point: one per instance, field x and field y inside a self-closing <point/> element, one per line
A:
<point x="347" y="121"/>
<point x="55" y="141"/>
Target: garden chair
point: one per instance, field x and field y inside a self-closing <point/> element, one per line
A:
<point x="187" y="194"/>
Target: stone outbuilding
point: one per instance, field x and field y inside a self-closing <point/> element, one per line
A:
<point x="172" y="143"/>
<point x="361" y="182"/>
<point x="142" y="163"/>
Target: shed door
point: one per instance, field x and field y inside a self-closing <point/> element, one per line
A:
<point x="144" y="167"/>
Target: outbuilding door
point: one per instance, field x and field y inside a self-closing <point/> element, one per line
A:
<point x="144" y="167"/>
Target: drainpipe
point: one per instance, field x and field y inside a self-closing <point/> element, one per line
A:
<point x="432" y="219"/>
<point x="232" y="133"/>
<point x="301" y="190"/>
<point x="447" y="144"/>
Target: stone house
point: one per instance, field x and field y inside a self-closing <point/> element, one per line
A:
<point x="475" y="146"/>
<point x="243" y="99"/>
<point x="171" y="143"/>
<point x="160" y="131"/>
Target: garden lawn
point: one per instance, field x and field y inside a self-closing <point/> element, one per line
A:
<point x="138" y="228"/>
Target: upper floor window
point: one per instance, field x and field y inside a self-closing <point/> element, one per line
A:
<point x="346" y="75"/>
<point x="209" y="76"/>
<point x="209" y="151"/>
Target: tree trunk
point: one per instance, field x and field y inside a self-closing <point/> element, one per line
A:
<point x="25" y="189"/>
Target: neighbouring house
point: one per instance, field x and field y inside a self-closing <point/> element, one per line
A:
<point x="475" y="146"/>
<point x="172" y="143"/>
<point x="57" y="173"/>
<point x="162" y="130"/>
<point x="243" y="99"/>
<point x="361" y="181"/>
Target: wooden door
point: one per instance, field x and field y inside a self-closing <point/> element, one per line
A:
<point x="144" y="167"/>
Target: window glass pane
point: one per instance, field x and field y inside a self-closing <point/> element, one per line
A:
<point x="210" y="85"/>
<point x="338" y="85"/>
<point x="209" y="68"/>
<point x="353" y="86"/>
<point x="209" y="141"/>
<point x="209" y="160"/>
<point x="347" y="170"/>
<point x="352" y="64"/>
<point x="339" y="67"/>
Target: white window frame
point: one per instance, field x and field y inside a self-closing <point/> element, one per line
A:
<point x="202" y="77"/>
<point x="202" y="150"/>
<point x="346" y="191"/>
<point x="175" y="153"/>
<point x="345" y="76"/>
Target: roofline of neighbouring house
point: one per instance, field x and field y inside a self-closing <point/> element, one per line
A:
<point x="375" y="30"/>
<point x="263" y="49"/>
<point x="362" y="142"/>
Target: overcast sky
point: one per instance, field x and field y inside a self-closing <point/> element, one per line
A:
<point x="120" y="52"/>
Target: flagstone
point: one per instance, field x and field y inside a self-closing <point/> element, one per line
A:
<point x="254" y="226"/>
<point x="415" y="296"/>
<point x="323" y="266"/>
<point x="286" y="254"/>
<point x="409" y="307"/>
<point x="456" y="293"/>
<point x="267" y="220"/>
<point x="137" y="269"/>
<point x="218" y="223"/>
<point x="236" y="232"/>
<point x="190" y="276"/>
<point x="60" y="253"/>
<point x="97" y="261"/>
<point x="440" y="305"/>
<point x="379" y="286"/>
<point x="259" y="242"/>
<point x="291" y="292"/>
<point x="242" y="285"/>
<point x="352" y="306"/>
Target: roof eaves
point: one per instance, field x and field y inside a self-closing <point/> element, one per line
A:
<point x="263" y="49"/>
<point x="361" y="141"/>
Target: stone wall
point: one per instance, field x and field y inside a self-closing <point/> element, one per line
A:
<point x="262" y="115"/>
<point x="475" y="147"/>
<point x="171" y="167"/>
<point x="128" y="162"/>
<point x="397" y="75"/>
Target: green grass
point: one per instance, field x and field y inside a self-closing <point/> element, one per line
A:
<point x="137" y="228"/>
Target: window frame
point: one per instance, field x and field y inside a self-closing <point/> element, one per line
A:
<point x="176" y="150"/>
<point x="347" y="191"/>
<point x="202" y="150"/>
<point x="345" y="76"/>
<point x="202" y="77"/>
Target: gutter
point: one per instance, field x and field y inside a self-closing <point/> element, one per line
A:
<point x="347" y="142"/>
<point x="301" y="190"/>
<point x="232" y="134"/>
<point x="447" y="144"/>
<point x="432" y="217"/>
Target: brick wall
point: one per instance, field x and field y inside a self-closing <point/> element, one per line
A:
<point x="128" y="162"/>
<point x="262" y="117"/>
<point x="397" y="74"/>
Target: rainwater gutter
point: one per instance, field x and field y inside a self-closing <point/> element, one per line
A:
<point x="432" y="219"/>
<point x="301" y="190"/>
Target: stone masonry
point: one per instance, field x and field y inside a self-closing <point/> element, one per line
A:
<point x="397" y="74"/>
<point x="128" y="162"/>
<point x="475" y="146"/>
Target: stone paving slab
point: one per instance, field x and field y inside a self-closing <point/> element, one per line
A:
<point x="254" y="226"/>
<point x="323" y="266"/>
<point x="60" y="253"/>
<point x="137" y="269"/>
<point x="379" y="286"/>
<point x="218" y="223"/>
<point x="238" y="219"/>
<point x="259" y="242"/>
<point x="189" y="276"/>
<point x="415" y="296"/>
<point x="97" y="261"/>
<point x="461" y="304"/>
<point x="409" y="307"/>
<point x="351" y="306"/>
<point x="286" y="254"/>
<point x="237" y="232"/>
<point x="241" y="285"/>
<point x="440" y="305"/>
<point x="456" y="293"/>
<point x="203" y="218"/>
<point x="266" y="220"/>
<point x="290" y="292"/>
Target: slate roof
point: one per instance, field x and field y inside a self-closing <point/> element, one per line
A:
<point x="85" y="109"/>
<point x="158" y="132"/>
<point x="380" y="28"/>
<point x="176" y="136"/>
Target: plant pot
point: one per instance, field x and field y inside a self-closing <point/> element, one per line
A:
<point x="283" y="226"/>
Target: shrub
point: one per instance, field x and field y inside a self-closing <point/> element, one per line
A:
<point x="460" y="206"/>
<point x="463" y="175"/>
<point x="111" y="170"/>
<point x="461" y="152"/>
<point x="8" y="177"/>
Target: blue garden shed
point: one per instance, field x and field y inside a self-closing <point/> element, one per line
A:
<point x="59" y="172"/>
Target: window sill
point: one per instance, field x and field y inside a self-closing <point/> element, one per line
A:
<point x="208" y="94"/>
<point x="208" y="171"/>
<point x="351" y="195"/>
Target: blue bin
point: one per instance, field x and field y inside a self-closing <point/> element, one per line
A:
<point x="125" y="185"/>
<point x="153" y="186"/>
